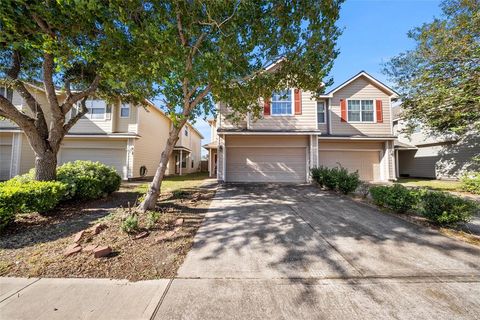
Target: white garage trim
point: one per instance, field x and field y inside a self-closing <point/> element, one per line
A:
<point x="360" y="150"/>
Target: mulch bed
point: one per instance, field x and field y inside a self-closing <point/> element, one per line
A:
<point x="35" y="245"/>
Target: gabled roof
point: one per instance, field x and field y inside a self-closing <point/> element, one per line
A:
<point x="362" y="73"/>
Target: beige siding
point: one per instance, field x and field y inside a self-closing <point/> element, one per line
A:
<point x="127" y="124"/>
<point x="269" y="141"/>
<point x="360" y="88"/>
<point x="27" y="156"/>
<point x="304" y="121"/>
<point x="153" y="130"/>
<point x="225" y="122"/>
<point x="345" y="145"/>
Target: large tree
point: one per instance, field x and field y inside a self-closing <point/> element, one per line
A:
<point x="439" y="80"/>
<point x="208" y="51"/>
<point x="74" y="50"/>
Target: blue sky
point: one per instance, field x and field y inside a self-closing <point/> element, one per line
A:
<point x="373" y="32"/>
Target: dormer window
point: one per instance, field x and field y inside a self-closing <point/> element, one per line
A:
<point x="282" y="103"/>
<point x="186" y="131"/>
<point x="7" y="93"/>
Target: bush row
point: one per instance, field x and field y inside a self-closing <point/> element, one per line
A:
<point x="338" y="179"/>
<point x="75" y="180"/>
<point x="440" y="208"/>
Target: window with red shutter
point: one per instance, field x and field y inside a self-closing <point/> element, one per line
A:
<point x="298" y="101"/>
<point x="343" y="110"/>
<point x="379" y="108"/>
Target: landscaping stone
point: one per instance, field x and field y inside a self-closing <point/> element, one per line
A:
<point x="141" y="235"/>
<point x="78" y="236"/>
<point x="164" y="236"/>
<point x="96" y="229"/>
<point x="72" y="249"/>
<point x="100" y="252"/>
<point x="179" y="222"/>
<point x="177" y="229"/>
<point x="90" y="248"/>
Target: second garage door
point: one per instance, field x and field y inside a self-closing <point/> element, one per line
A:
<point x="266" y="164"/>
<point x="116" y="158"/>
<point x="366" y="162"/>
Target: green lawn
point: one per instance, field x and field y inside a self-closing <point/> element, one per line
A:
<point x="443" y="185"/>
<point x="173" y="183"/>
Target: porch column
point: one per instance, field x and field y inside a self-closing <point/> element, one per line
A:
<point x="180" y="164"/>
<point x="210" y="162"/>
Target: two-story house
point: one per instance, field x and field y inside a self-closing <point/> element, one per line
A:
<point x="349" y="126"/>
<point x="129" y="138"/>
<point x="422" y="154"/>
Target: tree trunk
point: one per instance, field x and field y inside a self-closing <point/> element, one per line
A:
<point x="46" y="166"/>
<point x="155" y="187"/>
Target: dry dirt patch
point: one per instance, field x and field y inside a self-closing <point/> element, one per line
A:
<point x="35" y="245"/>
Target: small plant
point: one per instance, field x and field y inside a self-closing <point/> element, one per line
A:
<point x="347" y="182"/>
<point x="336" y="179"/>
<point x="445" y="209"/>
<point x="130" y="224"/>
<point x="364" y="189"/>
<point x="396" y="197"/>
<point x="179" y="193"/>
<point x="152" y="218"/>
<point x="471" y="182"/>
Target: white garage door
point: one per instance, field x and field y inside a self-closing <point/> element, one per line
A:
<point x="266" y="164"/>
<point x="116" y="158"/>
<point x="5" y="159"/>
<point x="366" y="162"/>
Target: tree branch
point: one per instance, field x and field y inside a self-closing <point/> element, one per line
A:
<point x="197" y="99"/>
<point x="43" y="25"/>
<point x="15" y="83"/>
<point x="10" y="112"/>
<point x="180" y="28"/>
<point x="77" y="117"/>
<point x="48" y="66"/>
<point x="75" y="97"/>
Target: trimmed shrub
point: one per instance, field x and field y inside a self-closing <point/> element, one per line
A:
<point x="396" y="197"/>
<point x="445" y="209"/>
<point x="87" y="179"/>
<point x="347" y="182"/>
<point x="471" y="182"/>
<point x="30" y="196"/>
<point x="336" y="179"/>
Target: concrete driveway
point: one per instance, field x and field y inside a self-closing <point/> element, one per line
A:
<point x="289" y="252"/>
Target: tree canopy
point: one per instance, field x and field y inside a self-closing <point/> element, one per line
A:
<point x="439" y="80"/>
<point x="74" y="50"/>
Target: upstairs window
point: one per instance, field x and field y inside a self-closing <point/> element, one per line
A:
<point x="321" y="112"/>
<point x="96" y="109"/>
<point x="7" y="93"/>
<point x="361" y="111"/>
<point x="282" y="103"/>
<point x="125" y="110"/>
<point x="186" y="131"/>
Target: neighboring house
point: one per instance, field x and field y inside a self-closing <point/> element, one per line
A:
<point x="422" y="155"/>
<point x="129" y="138"/>
<point x="350" y="126"/>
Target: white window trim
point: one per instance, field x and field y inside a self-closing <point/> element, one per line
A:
<point x="88" y="115"/>
<point x="284" y="114"/>
<point x="361" y="121"/>
<point x="324" y="112"/>
<point x="124" y="106"/>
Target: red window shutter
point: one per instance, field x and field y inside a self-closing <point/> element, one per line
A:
<point x="378" y="104"/>
<point x="266" y="107"/>
<point x="298" y="101"/>
<point x="343" y="110"/>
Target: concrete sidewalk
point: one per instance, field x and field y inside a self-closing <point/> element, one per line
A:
<point x="79" y="298"/>
<point x="280" y="252"/>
